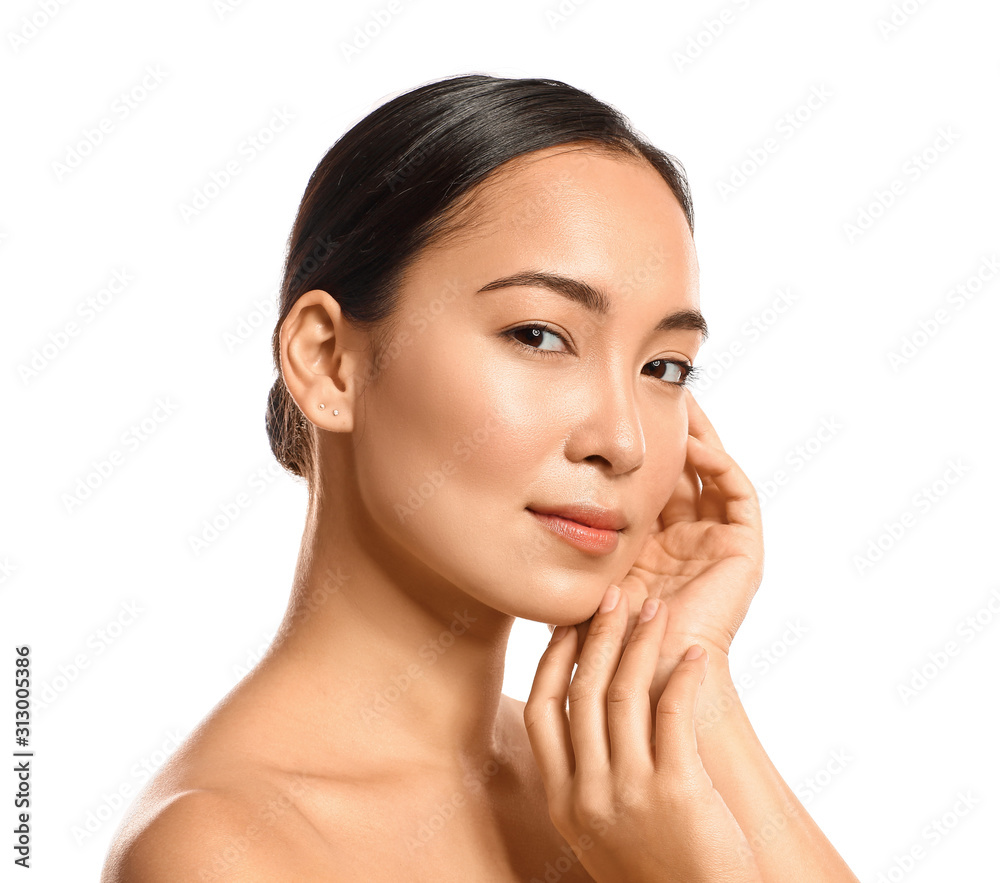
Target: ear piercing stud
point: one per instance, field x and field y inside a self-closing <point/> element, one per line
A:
<point x="322" y="406"/>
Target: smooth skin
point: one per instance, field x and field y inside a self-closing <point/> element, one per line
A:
<point x="373" y="742"/>
<point x="712" y="802"/>
<point x="625" y="781"/>
<point x="634" y="807"/>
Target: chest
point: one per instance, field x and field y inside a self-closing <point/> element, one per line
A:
<point x="439" y="852"/>
<point x="450" y="835"/>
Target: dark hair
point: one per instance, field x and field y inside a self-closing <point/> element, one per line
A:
<point x="394" y="184"/>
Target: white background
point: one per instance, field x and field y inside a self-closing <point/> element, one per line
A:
<point x="827" y="688"/>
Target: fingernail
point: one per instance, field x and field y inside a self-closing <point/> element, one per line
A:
<point x="560" y="631"/>
<point x="694" y="652"/>
<point x="649" y="608"/>
<point x="611" y="597"/>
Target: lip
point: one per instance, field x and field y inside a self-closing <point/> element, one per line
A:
<point x="598" y="534"/>
<point x="586" y="514"/>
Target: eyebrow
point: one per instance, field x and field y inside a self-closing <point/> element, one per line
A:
<point x="594" y="299"/>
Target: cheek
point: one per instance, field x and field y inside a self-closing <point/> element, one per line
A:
<point x="438" y="434"/>
<point x="451" y="445"/>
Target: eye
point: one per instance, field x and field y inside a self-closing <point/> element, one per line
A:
<point x="534" y="337"/>
<point x="677" y="373"/>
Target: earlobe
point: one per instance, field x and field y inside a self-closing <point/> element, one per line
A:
<point x="320" y="360"/>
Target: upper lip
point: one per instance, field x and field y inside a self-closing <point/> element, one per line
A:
<point x="586" y="513"/>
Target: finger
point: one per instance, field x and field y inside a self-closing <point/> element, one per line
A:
<point x="582" y="628"/>
<point x="712" y="505"/>
<point x="695" y="498"/>
<point x="676" y="752"/>
<point x="588" y="693"/>
<point x="711" y="502"/>
<point x="683" y="502"/>
<point x="545" y="713"/>
<point x="699" y="425"/>
<point x="629" y="717"/>
<point x="738" y="497"/>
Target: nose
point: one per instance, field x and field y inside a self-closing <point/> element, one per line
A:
<point x="608" y="428"/>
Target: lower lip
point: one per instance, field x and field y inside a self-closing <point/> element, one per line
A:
<point x="588" y="539"/>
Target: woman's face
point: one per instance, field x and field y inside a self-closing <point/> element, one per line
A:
<point x="476" y="422"/>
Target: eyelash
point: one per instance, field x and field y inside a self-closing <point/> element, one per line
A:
<point x="690" y="371"/>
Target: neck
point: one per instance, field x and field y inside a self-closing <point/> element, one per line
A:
<point x="382" y="658"/>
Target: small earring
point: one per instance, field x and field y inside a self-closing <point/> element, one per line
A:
<point x="321" y="406"/>
<point x="335" y="413"/>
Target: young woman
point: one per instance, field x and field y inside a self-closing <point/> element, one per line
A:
<point x="489" y="312"/>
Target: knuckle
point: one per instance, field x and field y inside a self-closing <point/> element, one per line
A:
<point x="623" y="693"/>
<point x="590" y="807"/>
<point x="560" y="808"/>
<point x="628" y="796"/>
<point x="602" y="628"/>
<point x="594" y="662"/>
<point x="538" y="712"/>
<point x="561" y="819"/>
<point x="582" y="691"/>
<point x="670" y="706"/>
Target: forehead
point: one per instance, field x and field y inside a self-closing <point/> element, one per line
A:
<point x="577" y="184"/>
<point x="575" y="208"/>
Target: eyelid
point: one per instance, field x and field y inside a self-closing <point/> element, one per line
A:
<point x="681" y="360"/>
<point x="690" y="370"/>
<point x="543" y="326"/>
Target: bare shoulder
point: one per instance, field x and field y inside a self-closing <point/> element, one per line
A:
<point x="515" y="704"/>
<point x="515" y="713"/>
<point x="214" y="835"/>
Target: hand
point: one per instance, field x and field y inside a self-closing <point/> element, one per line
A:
<point x="704" y="555"/>
<point x="634" y="805"/>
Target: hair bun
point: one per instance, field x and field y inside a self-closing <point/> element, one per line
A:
<point x="282" y="420"/>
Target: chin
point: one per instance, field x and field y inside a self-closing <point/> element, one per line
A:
<point x="565" y="598"/>
<point x="555" y="588"/>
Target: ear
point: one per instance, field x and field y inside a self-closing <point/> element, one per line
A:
<point x="323" y="360"/>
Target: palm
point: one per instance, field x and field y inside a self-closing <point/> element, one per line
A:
<point x="704" y="554"/>
<point x="705" y="571"/>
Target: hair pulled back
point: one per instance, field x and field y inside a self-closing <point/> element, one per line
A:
<point x="392" y="185"/>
